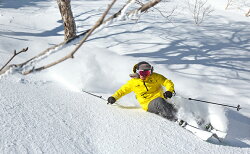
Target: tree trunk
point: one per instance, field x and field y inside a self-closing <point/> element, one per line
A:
<point x="248" y="13"/>
<point x="68" y="19"/>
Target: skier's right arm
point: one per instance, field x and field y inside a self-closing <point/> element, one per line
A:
<point x="124" y="90"/>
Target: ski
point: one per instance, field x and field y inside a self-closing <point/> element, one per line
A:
<point x="205" y="135"/>
<point x="221" y="135"/>
<point x="216" y="133"/>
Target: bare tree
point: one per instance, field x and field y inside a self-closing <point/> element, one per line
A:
<point x="199" y="10"/>
<point x="21" y="68"/>
<point x="68" y="19"/>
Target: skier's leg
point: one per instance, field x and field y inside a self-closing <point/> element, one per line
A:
<point x="161" y="107"/>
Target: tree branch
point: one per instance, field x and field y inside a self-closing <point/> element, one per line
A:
<point x="148" y="5"/>
<point x="71" y="55"/>
<point x="117" y="13"/>
<point x="86" y="34"/>
<point x="14" y="55"/>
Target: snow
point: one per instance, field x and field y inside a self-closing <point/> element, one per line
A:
<point x="46" y="112"/>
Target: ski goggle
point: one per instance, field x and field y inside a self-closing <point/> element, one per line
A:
<point x="144" y="73"/>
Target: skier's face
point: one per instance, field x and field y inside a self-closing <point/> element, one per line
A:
<point x="144" y="74"/>
<point x="143" y="77"/>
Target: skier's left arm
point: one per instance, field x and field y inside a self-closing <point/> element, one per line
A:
<point x="168" y="84"/>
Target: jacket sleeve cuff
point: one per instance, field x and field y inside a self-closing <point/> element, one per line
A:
<point x="115" y="97"/>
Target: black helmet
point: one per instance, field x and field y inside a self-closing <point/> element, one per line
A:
<point x="142" y="66"/>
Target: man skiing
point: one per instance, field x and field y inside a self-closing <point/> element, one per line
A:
<point x="148" y="88"/>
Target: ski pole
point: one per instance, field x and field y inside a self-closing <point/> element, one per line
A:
<point x="94" y="95"/>
<point x="237" y="107"/>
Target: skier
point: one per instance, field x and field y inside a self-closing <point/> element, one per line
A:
<point x="148" y="88"/>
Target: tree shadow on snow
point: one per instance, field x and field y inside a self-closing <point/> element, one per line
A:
<point x="215" y="45"/>
<point x="202" y="46"/>
<point x="16" y="4"/>
<point x="238" y="130"/>
<point x="53" y="32"/>
<point x="19" y="3"/>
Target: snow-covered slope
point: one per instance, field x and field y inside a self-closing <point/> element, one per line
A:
<point x="46" y="112"/>
<point x="38" y="116"/>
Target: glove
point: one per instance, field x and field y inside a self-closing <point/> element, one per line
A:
<point x="111" y="100"/>
<point x="168" y="94"/>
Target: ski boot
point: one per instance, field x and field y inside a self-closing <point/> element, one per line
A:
<point x="182" y="123"/>
<point x="209" y="127"/>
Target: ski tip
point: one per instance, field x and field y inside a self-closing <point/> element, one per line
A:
<point x="217" y="137"/>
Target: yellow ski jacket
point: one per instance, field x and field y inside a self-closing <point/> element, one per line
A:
<point x="145" y="90"/>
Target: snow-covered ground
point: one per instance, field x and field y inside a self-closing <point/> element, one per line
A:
<point x="46" y="112"/>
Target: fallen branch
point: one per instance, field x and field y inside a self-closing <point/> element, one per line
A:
<point x="71" y="55"/>
<point x="49" y="49"/>
<point x="89" y="32"/>
<point x="14" y="55"/>
<point x="72" y="39"/>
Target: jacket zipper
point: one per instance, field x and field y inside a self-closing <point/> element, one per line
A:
<point x="145" y="85"/>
